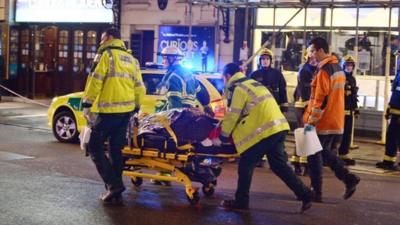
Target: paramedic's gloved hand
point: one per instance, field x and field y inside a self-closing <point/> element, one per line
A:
<point x="308" y="127"/>
<point x="89" y="116"/>
<point x="208" y="110"/>
<point x="86" y="113"/>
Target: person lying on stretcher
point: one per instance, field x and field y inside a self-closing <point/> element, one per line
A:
<point x="181" y="129"/>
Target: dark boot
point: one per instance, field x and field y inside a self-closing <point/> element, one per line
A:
<point x="349" y="161"/>
<point x="387" y="165"/>
<point x="112" y="195"/>
<point x="351" y="181"/>
<point x="115" y="200"/>
<point x="317" y="188"/>
<point x="232" y="204"/>
<point x="307" y="200"/>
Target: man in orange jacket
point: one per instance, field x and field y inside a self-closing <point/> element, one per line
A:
<point x="325" y="113"/>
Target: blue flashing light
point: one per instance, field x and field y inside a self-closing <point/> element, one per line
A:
<point x="188" y="66"/>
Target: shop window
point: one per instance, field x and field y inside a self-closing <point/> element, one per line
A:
<point x="63" y="51"/>
<point x="13" y="58"/>
<point x="346" y="17"/>
<point x="77" y="63"/>
<point x="25" y="35"/>
<point x="91" y="49"/>
<point x="25" y="48"/>
<point x="288" y="46"/>
<point x="265" y="17"/>
<point x="371" y="48"/>
<point x="91" y="46"/>
<point x="63" y="44"/>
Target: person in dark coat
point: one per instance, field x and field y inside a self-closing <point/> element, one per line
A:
<point x="301" y="97"/>
<point x="350" y="107"/>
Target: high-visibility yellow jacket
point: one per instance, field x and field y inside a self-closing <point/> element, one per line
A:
<point x="253" y="113"/>
<point x="116" y="84"/>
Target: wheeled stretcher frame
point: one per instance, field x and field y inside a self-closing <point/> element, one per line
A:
<point x="183" y="166"/>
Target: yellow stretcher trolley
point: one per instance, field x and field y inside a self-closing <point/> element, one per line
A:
<point x="194" y="164"/>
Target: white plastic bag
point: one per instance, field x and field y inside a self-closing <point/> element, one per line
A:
<point x="308" y="143"/>
<point x="84" y="136"/>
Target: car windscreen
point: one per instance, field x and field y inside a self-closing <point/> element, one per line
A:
<point x="151" y="81"/>
<point x="218" y="83"/>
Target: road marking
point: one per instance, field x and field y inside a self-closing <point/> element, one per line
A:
<point x="13" y="156"/>
<point x="25" y="116"/>
<point x="12" y="107"/>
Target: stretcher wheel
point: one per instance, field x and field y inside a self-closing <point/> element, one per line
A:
<point x="137" y="181"/>
<point x="195" y="199"/>
<point x="208" y="191"/>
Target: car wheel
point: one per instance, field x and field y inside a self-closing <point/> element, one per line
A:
<point x="65" y="128"/>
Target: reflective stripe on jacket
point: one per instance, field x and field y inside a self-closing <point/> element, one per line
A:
<point x="116" y="84"/>
<point x="351" y="89"/>
<point x="182" y="88"/>
<point x="252" y="114"/>
<point x="274" y="80"/>
<point x="326" y="105"/>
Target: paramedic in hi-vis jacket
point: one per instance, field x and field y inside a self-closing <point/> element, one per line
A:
<point x="179" y="85"/>
<point x="325" y="114"/>
<point x="115" y="86"/>
<point x="258" y="127"/>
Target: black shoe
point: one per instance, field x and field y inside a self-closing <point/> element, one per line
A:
<point x="112" y="196"/>
<point x="116" y="200"/>
<point x="351" y="182"/>
<point x="233" y="204"/>
<point x="349" y="162"/>
<point x="386" y="165"/>
<point x="307" y="200"/>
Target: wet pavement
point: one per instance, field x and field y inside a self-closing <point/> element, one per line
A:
<point x="43" y="181"/>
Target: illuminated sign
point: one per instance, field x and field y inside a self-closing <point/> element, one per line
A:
<point x="69" y="11"/>
<point x="199" y="54"/>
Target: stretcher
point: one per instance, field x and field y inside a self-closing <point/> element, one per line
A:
<point x="185" y="165"/>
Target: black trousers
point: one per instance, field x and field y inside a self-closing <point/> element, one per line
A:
<point x="346" y="139"/>
<point x="393" y="136"/>
<point x="330" y="144"/>
<point x="274" y="147"/>
<point x="112" y="127"/>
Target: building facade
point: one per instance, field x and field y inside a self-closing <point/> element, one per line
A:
<point x="144" y="26"/>
<point x="48" y="46"/>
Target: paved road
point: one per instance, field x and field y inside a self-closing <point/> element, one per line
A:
<point x="46" y="182"/>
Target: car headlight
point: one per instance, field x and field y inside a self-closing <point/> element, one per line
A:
<point x="54" y="99"/>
